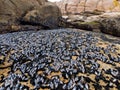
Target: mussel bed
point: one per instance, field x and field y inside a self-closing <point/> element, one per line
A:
<point x="58" y="60"/>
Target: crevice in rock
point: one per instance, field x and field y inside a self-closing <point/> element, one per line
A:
<point x="13" y="3"/>
<point x="33" y="24"/>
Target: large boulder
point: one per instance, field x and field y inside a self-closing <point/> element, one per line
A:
<point x="110" y="25"/>
<point x="35" y="12"/>
<point x="107" y="23"/>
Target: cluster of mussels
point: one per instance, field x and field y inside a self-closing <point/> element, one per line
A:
<point x="58" y="60"/>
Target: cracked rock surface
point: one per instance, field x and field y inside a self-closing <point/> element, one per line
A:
<point x="63" y="59"/>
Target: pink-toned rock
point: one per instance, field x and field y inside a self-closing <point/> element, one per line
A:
<point x="77" y="6"/>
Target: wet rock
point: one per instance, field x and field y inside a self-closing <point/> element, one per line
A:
<point x="110" y="26"/>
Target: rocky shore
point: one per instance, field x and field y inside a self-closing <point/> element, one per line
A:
<point x="108" y="23"/>
<point x="64" y="59"/>
<point x="24" y="15"/>
<point x="40" y="49"/>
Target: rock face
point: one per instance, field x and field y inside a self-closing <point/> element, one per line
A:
<point x="107" y="23"/>
<point x="35" y="12"/>
<point x="111" y="26"/>
<point x="77" y="6"/>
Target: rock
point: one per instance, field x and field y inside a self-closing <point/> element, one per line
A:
<point x="48" y="15"/>
<point x="89" y="26"/>
<point x="105" y="23"/>
<point x="90" y="23"/>
<point x="35" y="12"/>
<point x="110" y="25"/>
<point x="78" y="6"/>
